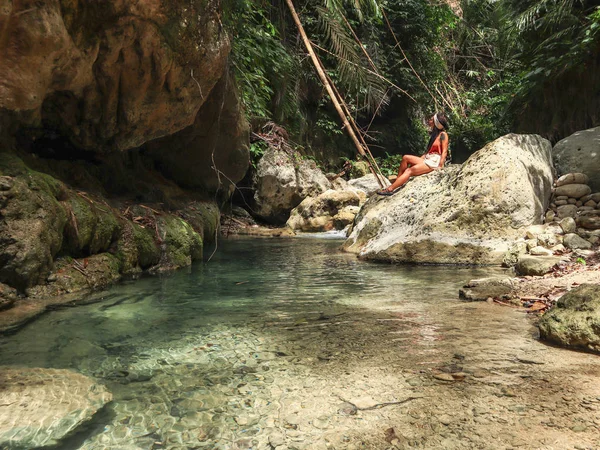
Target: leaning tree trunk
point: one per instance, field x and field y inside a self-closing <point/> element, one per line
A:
<point x="336" y="103"/>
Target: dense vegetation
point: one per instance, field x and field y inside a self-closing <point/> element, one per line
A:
<point x="493" y="66"/>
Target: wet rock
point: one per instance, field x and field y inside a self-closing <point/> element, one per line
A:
<point x="276" y="439"/>
<point x="578" y="153"/>
<point x="363" y="402"/>
<point x="573" y="242"/>
<point x="482" y="289"/>
<point x="536" y="265"/>
<point x="180" y="243"/>
<point x="84" y="274"/>
<point x="90" y="228"/>
<point x="462" y="214"/>
<point x="31" y="416"/>
<point x="443" y="377"/>
<point x="575" y="319"/>
<point x="282" y="182"/>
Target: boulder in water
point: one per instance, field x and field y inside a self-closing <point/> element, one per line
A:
<point x="41" y="407"/>
<point x="465" y="214"/>
<point x="575" y="319"/>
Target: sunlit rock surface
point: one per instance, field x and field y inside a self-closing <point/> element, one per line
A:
<point x="40" y="407"/>
<point x="466" y="214"/>
<point x="283" y="180"/>
<point x="332" y="210"/>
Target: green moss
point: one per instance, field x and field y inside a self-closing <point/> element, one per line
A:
<point x="182" y="243"/>
<point x="11" y="165"/>
<point x="204" y="217"/>
<point x="147" y="249"/>
<point x="79" y="230"/>
<point x="106" y="230"/>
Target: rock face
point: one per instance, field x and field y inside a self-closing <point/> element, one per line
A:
<point x="575" y="319"/>
<point x="111" y="74"/>
<point x="44" y="225"/>
<point x="282" y="182"/>
<point x="331" y="210"/>
<point x="31" y="229"/>
<point x="463" y="214"/>
<point x="40" y="407"/>
<point x="368" y="184"/>
<point x="213" y="152"/>
<point x="580" y="152"/>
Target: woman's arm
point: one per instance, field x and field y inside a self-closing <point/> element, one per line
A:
<point x="444" y="144"/>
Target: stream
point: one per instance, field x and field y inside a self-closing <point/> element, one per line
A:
<point x="292" y="344"/>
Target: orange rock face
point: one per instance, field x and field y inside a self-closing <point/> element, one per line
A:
<point x="112" y="74"/>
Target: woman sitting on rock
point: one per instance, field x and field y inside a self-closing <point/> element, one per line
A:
<point x="437" y="150"/>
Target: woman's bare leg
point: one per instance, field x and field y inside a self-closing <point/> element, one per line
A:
<point x="406" y="161"/>
<point x="418" y="169"/>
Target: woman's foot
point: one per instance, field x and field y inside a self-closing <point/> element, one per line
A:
<point x="385" y="192"/>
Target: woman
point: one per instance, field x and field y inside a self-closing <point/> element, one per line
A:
<point x="437" y="150"/>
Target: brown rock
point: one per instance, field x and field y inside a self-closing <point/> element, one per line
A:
<point x="111" y="74"/>
<point x="218" y="139"/>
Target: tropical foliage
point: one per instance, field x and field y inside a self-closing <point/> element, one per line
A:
<point x="493" y="66"/>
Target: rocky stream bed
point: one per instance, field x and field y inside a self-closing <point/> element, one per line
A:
<point x="324" y="352"/>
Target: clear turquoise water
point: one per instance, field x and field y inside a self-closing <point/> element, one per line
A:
<point x="199" y="358"/>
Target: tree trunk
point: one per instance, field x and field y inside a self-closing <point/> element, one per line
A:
<point x="330" y="91"/>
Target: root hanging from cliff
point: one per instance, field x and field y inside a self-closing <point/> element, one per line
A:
<point x="214" y="164"/>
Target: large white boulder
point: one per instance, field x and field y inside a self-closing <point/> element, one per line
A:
<point x="282" y="182"/>
<point x="467" y="214"/>
<point x="580" y="152"/>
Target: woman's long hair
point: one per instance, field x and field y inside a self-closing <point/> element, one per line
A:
<point x="436" y="131"/>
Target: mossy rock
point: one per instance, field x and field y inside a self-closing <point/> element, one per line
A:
<point x="75" y="275"/>
<point x="575" y="319"/>
<point x="106" y="230"/>
<point x="181" y="244"/>
<point x="204" y="217"/>
<point x="79" y="229"/>
<point x="147" y="248"/>
<point x="90" y="229"/>
<point x="31" y="229"/>
<point x="136" y="248"/>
